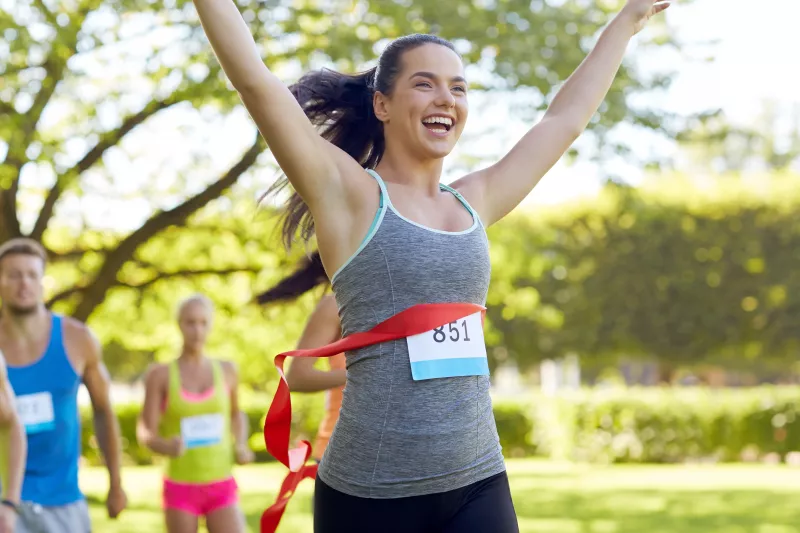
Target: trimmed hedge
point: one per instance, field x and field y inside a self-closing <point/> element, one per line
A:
<point x="674" y="425"/>
<point x="515" y="426"/>
<point x="608" y="426"/>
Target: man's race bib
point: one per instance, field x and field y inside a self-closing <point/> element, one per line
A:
<point x="455" y="349"/>
<point x="202" y="430"/>
<point x="36" y="412"/>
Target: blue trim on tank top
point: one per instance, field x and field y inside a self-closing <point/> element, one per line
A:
<point x="383" y="204"/>
<point x="442" y="187"/>
<point x="376" y="222"/>
<point x="464" y="202"/>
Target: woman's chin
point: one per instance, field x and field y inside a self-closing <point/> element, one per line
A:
<point x="438" y="149"/>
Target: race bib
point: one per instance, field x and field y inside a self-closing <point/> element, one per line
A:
<point x="35" y="411"/>
<point x="202" y="430"/>
<point x="455" y="349"/>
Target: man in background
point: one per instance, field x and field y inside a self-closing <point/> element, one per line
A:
<point x="47" y="357"/>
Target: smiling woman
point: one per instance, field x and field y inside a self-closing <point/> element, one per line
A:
<point x="342" y="107"/>
<point x="415" y="447"/>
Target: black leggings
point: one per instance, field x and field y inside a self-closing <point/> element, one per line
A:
<point x="483" y="507"/>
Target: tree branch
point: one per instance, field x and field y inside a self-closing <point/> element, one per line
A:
<point x="64" y="180"/>
<point x="16" y="69"/>
<point x="48" y="15"/>
<point x="186" y="273"/>
<point x="75" y="253"/>
<point x="7" y="109"/>
<point x="4" y="230"/>
<point x="54" y="65"/>
<point x="8" y="209"/>
<point x="105" y="278"/>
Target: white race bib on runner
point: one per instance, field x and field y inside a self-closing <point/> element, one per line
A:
<point x="202" y="430"/>
<point x="455" y="349"/>
<point x="36" y="412"/>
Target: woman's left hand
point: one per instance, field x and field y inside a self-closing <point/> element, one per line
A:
<point x="640" y="11"/>
<point x="244" y="455"/>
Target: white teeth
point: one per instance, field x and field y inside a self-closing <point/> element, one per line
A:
<point x="447" y="121"/>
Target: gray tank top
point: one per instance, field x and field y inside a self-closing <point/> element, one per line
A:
<point x="397" y="437"/>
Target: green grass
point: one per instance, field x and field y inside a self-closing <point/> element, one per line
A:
<point x="549" y="498"/>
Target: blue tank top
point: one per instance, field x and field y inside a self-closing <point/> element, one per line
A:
<point x="47" y="401"/>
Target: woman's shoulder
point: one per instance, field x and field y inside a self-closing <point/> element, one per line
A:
<point x="229" y="369"/>
<point x="156" y="374"/>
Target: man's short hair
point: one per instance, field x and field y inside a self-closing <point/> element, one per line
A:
<point x="22" y="246"/>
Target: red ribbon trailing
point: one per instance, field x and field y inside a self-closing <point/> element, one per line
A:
<point x="277" y="426"/>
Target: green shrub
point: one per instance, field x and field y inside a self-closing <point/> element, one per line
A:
<point x="515" y="428"/>
<point x="673" y="425"/>
<point x="596" y="425"/>
<point x="513" y="421"/>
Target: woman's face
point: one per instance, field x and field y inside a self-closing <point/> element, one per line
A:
<point x="195" y="323"/>
<point x="427" y="108"/>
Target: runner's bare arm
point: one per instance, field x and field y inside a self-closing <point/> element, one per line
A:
<point x="155" y="394"/>
<point x="239" y="425"/>
<point x="313" y="166"/>
<point x="11" y="425"/>
<point x="498" y="189"/>
<point x="98" y="384"/>
<point x="8" y="411"/>
<point x="322" y="328"/>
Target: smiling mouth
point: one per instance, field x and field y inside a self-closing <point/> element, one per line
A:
<point x="438" y="124"/>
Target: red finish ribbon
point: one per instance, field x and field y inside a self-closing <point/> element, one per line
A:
<point x="277" y="426"/>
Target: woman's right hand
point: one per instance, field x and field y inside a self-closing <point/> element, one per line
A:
<point x="339" y="194"/>
<point x="174" y="447"/>
<point x="244" y="455"/>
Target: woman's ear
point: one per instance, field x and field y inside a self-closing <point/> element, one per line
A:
<point x="380" y="105"/>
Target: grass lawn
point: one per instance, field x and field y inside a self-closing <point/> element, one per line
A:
<point x="549" y="498"/>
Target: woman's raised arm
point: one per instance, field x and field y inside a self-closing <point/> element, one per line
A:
<point x="311" y="164"/>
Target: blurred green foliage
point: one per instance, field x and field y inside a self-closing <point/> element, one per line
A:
<point x="678" y="273"/>
<point x="670" y="425"/>
<point x="681" y="270"/>
<point x="652" y="425"/>
<point x="80" y="80"/>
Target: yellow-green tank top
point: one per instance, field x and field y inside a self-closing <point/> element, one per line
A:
<point x="205" y="426"/>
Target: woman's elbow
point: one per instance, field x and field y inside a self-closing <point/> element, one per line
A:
<point x="297" y="381"/>
<point x="143" y="434"/>
<point x="292" y="381"/>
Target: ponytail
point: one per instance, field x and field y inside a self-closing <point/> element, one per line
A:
<point x="306" y="277"/>
<point x="340" y="105"/>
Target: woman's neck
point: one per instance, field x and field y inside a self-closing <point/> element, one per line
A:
<point x="191" y="354"/>
<point x="400" y="168"/>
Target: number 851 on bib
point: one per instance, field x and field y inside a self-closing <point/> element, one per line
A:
<point x="451" y="350"/>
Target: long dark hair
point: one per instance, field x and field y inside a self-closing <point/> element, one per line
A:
<point x="340" y="105"/>
<point x="308" y="275"/>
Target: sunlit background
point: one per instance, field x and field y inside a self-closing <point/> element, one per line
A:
<point x="642" y="315"/>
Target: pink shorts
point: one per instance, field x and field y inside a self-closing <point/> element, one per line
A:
<point x="200" y="499"/>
